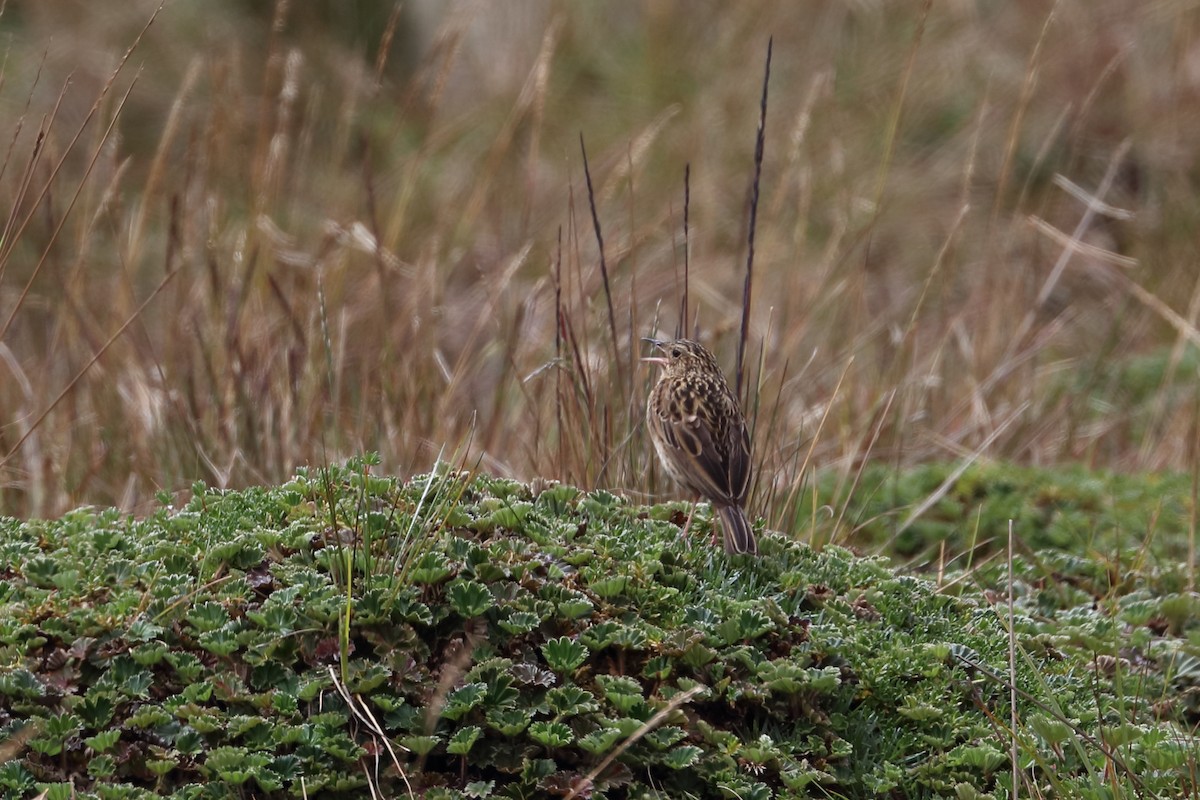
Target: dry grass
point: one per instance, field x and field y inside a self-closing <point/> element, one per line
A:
<point x="288" y="235"/>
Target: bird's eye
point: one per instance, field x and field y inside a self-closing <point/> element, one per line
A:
<point x="676" y="352"/>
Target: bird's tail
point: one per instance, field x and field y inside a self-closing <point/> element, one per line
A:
<point x="739" y="536"/>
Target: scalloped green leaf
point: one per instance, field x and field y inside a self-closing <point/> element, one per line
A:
<point x="463" y="740"/>
<point x="564" y="654"/>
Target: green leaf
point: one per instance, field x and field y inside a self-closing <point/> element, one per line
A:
<point x="824" y="679"/>
<point x="142" y="630"/>
<point x="463" y="740"/>
<point x="600" y="635"/>
<point x="609" y="588"/>
<point x="479" y="789"/>
<point x="187" y="666"/>
<point x="984" y="758"/>
<point x="623" y="692"/>
<point x="500" y="692"/>
<point x="102" y="766"/>
<point x="600" y="741"/>
<point x="538" y="768"/>
<point x="917" y="711"/>
<point x="556" y="499"/>
<point x="630" y="637"/>
<point x="665" y="736"/>
<point x="746" y="625"/>
<point x="520" y="622"/>
<point x="628" y="726"/>
<point x="15" y="778"/>
<point x="550" y="734"/>
<point x="96" y="709"/>
<point x="104" y="740"/>
<point x="430" y="568"/>
<point x="563" y="654"/>
<point x="207" y="616"/>
<point x="509" y="721"/>
<point x="21" y="683"/>
<point x="150" y="653"/>
<point x="568" y="701"/>
<point x="221" y="643"/>
<point x="61" y="726"/>
<point x="420" y="745"/>
<point x="364" y="677"/>
<point x="658" y="668"/>
<point x="462" y="700"/>
<point x="161" y="766"/>
<point x="511" y="516"/>
<point x="783" y="677"/>
<point x="683" y="757"/>
<point x="46" y="746"/>
<point x="468" y="598"/>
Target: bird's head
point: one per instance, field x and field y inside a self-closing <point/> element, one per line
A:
<point x="681" y="355"/>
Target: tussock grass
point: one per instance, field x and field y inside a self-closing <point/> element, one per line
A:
<point x="270" y="238"/>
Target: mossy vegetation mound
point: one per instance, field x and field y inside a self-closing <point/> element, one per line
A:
<point x="472" y="637"/>
<point x="945" y="511"/>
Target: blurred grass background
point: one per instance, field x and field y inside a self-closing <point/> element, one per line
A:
<point x="284" y="233"/>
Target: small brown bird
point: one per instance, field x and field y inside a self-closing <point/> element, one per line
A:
<point x="700" y="435"/>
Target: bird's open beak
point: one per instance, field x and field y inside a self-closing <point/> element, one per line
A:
<point x="654" y="359"/>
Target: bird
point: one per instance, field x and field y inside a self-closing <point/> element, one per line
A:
<point x="700" y="434"/>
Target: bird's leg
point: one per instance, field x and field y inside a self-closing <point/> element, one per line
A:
<point x="687" y="525"/>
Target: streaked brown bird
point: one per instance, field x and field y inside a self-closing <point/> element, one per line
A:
<point x="700" y="435"/>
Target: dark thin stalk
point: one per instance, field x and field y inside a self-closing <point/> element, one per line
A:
<point x="758" y="157"/>
<point x="687" y="202"/>
<point x="612" y="318"/>
<point x="558" y="340"/>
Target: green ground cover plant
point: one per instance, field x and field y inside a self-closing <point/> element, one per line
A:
<point x="456" y="636"/>
<point x="961" y="512"/>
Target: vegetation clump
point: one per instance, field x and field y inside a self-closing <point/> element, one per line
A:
<point x="464" y="636"/>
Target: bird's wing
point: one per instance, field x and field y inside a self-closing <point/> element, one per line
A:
<point x="739" y="463"/>
<point x="709" y="474"/>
